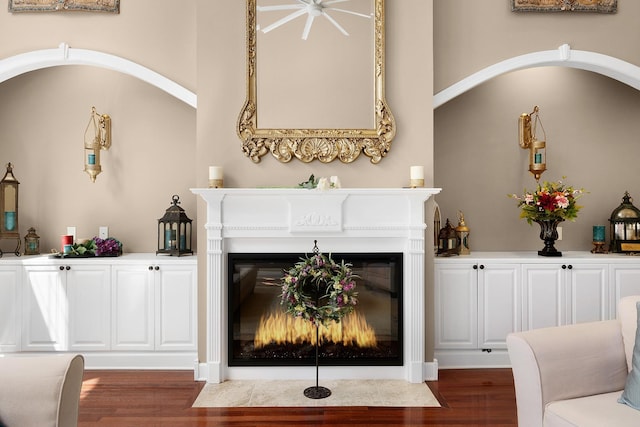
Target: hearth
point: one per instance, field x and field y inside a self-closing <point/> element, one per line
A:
<point x="262" y="334"/>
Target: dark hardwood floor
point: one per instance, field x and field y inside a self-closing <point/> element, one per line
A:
<point x="163" y="398"/>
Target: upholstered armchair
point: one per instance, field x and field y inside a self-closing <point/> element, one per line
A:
<point x="40" y="391"/>
<point x="574" y="375"/>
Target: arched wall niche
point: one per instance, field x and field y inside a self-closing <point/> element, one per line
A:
<point x="614" y="68"/>
<point x="65" y="55"/>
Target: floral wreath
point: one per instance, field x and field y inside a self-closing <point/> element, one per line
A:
<point x="318" y="289"/>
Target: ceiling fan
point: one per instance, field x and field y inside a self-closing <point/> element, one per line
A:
<point x="313" y="9"/>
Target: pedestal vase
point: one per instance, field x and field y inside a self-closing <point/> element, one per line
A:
<point x="549" y="234"/>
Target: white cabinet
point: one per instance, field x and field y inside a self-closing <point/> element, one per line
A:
<point x="89" y="305"/>
<point x="136" y="311"/>
<point x="625" y="280"/>
<point x="480" y="299"/>
<point x="560" y="293"/>
<point x="66" y="307"/>
<point x="176" y="307"/>
<point x="499" y="303"/>
<point x="133" y="308"/>
<point x="477" y="304"/>
<point x="10" y="312"/>
<point x="154" y="307"/>
<point x="456" y="306"/>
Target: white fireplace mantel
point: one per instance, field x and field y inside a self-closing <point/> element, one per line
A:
<point x="274" y="220"/>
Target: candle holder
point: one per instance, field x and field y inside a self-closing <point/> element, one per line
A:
<point x="599" y="248"/>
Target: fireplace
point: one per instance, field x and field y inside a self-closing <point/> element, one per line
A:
<point x="345" y="221"/>
<point x="261" y="333"/>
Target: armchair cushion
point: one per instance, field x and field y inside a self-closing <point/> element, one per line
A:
<point x="631" y="394"/>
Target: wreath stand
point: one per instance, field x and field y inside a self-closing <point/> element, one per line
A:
<point x="317" y="392"/>
<point x="308" y="283"/>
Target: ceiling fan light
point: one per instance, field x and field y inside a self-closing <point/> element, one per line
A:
<point x="314" y="9"/>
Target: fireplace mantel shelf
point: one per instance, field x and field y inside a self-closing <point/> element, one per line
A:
<point x="280" y="220"/>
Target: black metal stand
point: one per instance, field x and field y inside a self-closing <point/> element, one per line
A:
<point x="317" y="392"/>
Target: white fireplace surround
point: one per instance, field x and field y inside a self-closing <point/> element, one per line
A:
<point x="269" y="220"/>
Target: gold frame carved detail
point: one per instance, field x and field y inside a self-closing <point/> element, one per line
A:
<point x="109" y="6"/>
<point x="325" y="145"/>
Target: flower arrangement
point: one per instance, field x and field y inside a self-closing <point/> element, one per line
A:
<point x="318" y="289"/>
<point x="108" y="247"/>
<point x="549" y="201"/>
<point x="97" y="247"/>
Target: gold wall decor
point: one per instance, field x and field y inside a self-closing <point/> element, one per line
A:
<point x="601" y="6"/>
<point x="110" y="6"/>
<point x="309" y="143"/>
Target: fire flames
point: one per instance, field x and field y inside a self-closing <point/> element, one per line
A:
<point x="282" y="328"/>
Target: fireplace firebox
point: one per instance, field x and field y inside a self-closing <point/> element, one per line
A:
<point x="262" y="334"/>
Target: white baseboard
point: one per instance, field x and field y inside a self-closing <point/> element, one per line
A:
<point x="463" y="359"/>
<point x="431" y="370"/>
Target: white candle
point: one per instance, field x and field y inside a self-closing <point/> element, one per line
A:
<point x="215" y="172"/>
<point x="417" y="172"/>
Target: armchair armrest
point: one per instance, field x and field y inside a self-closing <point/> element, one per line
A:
<point x="565" y="362"/>
<point x="40" y="390"/>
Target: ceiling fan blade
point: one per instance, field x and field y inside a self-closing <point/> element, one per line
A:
<point x="284" y="20"/>
<point x="330" y="2"/>
<point x="335" y="23"/>
<point x="278" y="7"/>
<point x="349" y="12"/>
<point x="307" y="26"/>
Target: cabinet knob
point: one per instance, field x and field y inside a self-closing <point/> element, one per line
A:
<point x="564" y="267"/>
<point x="570" y="267"/>
<point x="157" y="268"/>
<point x="475" y="266"/>
<point x="61" y="267"/>
<point x="151" y="268"/>
<point x="68" y="267"/>
<point x="481" y="266"/>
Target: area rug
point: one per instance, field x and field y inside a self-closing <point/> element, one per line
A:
<point x="381" y="393"/>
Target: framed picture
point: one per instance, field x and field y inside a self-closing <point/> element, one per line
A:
<point x="109" y="6"/>
<point x="601" y="6"/>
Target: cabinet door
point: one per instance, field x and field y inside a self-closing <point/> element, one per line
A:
<point x="88" y="292"/>
<point x="499" y="303"/>
<point x="10" y="308"/>
<point x="544" y="296"/>
<point x="176" y="308"/>
<point x="132" y="311"/>
<point x="588" y="288"/>
<point x="625" y="280"/>
<point x="456" y="306"/>
<point x="45" y="309"/>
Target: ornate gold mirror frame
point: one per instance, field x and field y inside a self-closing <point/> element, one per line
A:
<point x="323" y="144"/>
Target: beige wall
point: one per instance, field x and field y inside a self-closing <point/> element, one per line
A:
<point x="44" y="114"/>
<point x="590" y="120"/>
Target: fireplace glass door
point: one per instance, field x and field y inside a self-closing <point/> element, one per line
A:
<point x="261" y="333"/>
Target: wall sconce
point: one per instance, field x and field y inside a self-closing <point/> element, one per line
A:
<point x="97" y="137"/>
<point x="527" y="140"/>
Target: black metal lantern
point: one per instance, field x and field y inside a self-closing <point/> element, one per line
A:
<point x="31" y="242"/>
<point x="174" y="231"/>
<point x="447" y="240"/>
<point x="9" y="208"/>
<point x="625" y="226"/>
